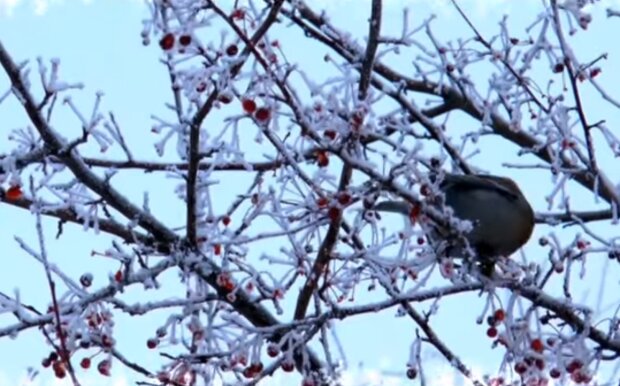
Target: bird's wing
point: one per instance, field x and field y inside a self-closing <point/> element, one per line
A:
<point x="502" y="185"/>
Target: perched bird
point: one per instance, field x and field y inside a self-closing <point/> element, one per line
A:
<point x="501" y="216"/>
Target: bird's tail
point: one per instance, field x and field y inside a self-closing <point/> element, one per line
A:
<point x="394" y="207"/>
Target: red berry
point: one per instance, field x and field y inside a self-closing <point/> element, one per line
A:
<point x="262" y="114"/>
<point x="201" y="87"/>
<point x="226" y="220"/>
<point x="594" y="72"/>
<point x="163" y="377"/>
<point x="537" y="345"/>
<point x="585" y="377"/>
<point x="118" y="276"/>
<point x="60" y="372"/>
<point x="167" y="42"/>
<point x="574" y="365"/>
<point x="580" y="377"/>
<point x="248" y="372"/>
<point x="322" y="202"/>
<point x="104" y="367"/>
<point x="555" y="373"/>
<point x="415" y="213"/>
<point x="520" y="367"/>
<point x="257" y="367"/>
<point x="161" y="332"/>
<point x="14" y="193"/>
<point x="344" y="198"/>
<point x="288" y="366"/>
<point x="185" y="40"/>
<point x="412" y="373"/>
<point x="248" y="105"/>
<point x="152" y="343"/>
<point x="499" y="381"/>
<point x="331" y="134"/>
<point x="308" y="382"/>
<point x="86" y="280"/>
<point x="225" y="281"/>
<point x="582" y="244"/>
<point x="107" y="341"/>
<point x="273" y="350"/>
<point x="225" y="98"/>
<point x="559" y="67"/>
<point x="253" y="370"/>
<point x="237" y="14"/>
<point x="232" y="50"/>
<point x="85" y="363"/>
<point x="58" y="365"/>
<point x="425" y="190"/>
<point x="357" y="119"/>
<point x="217" y="249"/>
<point x="322" y="158"/>
<point x="249" y="286"/>
<point x="492" y="332"/>
<point x="499" y="315"/>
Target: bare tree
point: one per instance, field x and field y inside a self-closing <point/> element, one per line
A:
<point x="265" y="275"/>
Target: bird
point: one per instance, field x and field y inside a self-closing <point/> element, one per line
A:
<point x="502" y="218"/>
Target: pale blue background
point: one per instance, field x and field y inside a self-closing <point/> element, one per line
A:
<point x="99" y="44"/>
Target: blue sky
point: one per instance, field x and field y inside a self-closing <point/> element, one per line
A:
<point x="99" y="45"/>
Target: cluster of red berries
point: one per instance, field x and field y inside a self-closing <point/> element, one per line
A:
<point x="498" y="317"/>
<point x="168" y="41"/>
<point x="339" y="201"/>
<point x="574" y="368"/>
<point x="261" y="114"/>
<point x="59" y="366"/>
